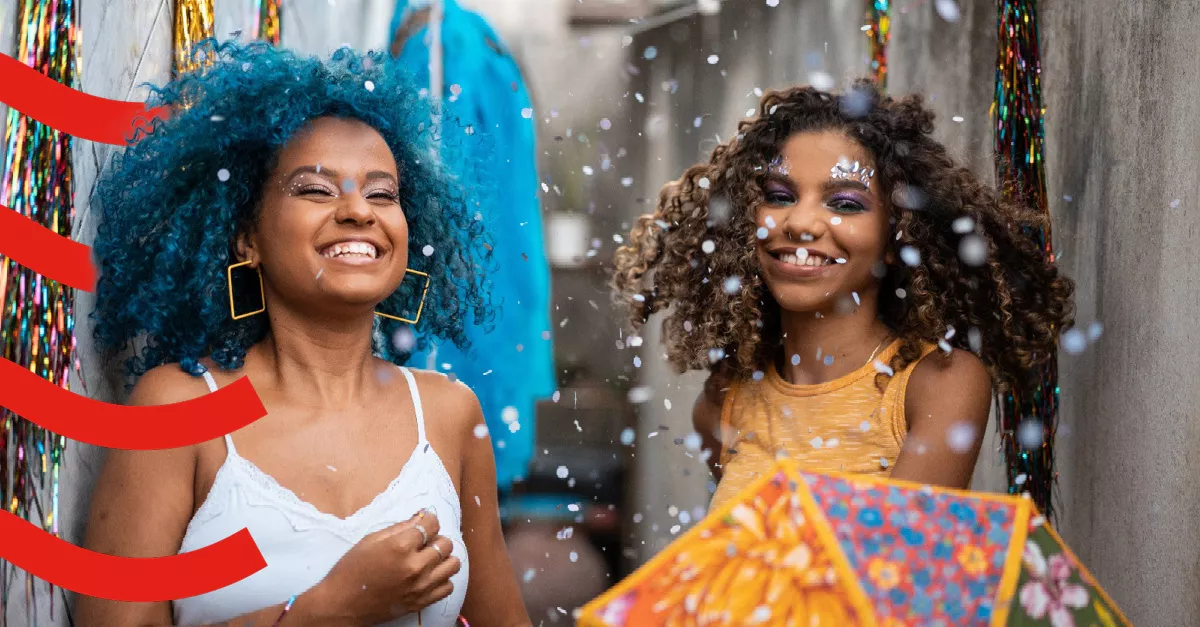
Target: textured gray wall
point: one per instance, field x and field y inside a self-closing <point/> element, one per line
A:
<point x="1123" y="126"/>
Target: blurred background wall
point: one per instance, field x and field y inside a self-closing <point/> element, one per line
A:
<point x="628" y="93"/>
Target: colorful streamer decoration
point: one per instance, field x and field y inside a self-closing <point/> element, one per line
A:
<point x="37" y="321"/>
<point x="1028" y="417"/>
<point x="267" y="25"/>
<point x="879" y="32"/>
<point x="194" y="22"/>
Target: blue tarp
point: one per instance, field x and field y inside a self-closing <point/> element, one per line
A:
<point x="511" y="367"/>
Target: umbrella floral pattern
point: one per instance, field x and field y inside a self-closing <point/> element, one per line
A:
<point x="811" y="550"/>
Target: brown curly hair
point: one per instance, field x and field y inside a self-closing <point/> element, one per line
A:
<point x="1009" y="310"/>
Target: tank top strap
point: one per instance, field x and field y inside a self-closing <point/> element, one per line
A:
<point x="212" y="387"/>
<point x="416" y="399"/>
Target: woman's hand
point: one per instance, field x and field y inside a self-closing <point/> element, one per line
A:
<point x="388" y="574"/>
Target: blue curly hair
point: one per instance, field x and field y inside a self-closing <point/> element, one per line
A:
<point x="168" y="222"/>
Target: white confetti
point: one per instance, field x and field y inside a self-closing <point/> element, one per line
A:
<point x="529" y="575"/>
<point x="1074" y="342"/>
<point x="481" y="431"/>
<point x="961" y="437"/>
<point x="822" y="81"/>
<point x="427" y="250"/>
<point x="627" y="436"/>
<point x="635" y="341"/>
<point x="972" y="250"/>
<point x="562" y="472"/>
<point x="948" y="10"/>
<point x="566" y="533"/>
<point x="732" y="285"/>
<point x="865" y="425"/>
<point x="605" y="123"/>
<point x="627" y="181"/>
<point x="817" y="442"/>
<point x="667" y="403"/>
<point x="369" y="85"/>
<point x="957" y="118"/>
<point x="704" y="183"/>
<point x="883" y="368"/>
<point x="573" y="507"/>
<point x="762" y="232"/>
<point x="715" y="355"/>
<point x="835" y="220"/>
<point x="640" y="394"/>
<point x="574" y="556"/>
<point x="1095" y="330"/>
<point x="509" y="415"/>
<point x="713" y="59"/>
<point x="675" y="529"/>
<point x="331" y="468"/>
<point x="404" y="339"/>
<point x="649" y="53"/>
<point x="708" y="246"/>
<point x="911" y="256"/>
<point x="692" y="442"/>
<point x="587" y="169"/>
<point x="222" y="175"/>
<point x="1030" y="433"/>
<point x="795" y="360"/>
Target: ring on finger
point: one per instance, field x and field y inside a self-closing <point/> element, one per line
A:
<point x="441" y="556"/>
<point x="424" y="534"/>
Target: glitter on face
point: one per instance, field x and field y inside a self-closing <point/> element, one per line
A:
<point x="852" y="171"/>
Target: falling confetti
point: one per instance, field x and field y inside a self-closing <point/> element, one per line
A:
<point x="972" y="250"/>
<point x="911" y="256"/>
<point x="732" y="285"/>
<point x="713" y="59"/>
<point x="1073" y="342"/>
<point x="481" y="431"/>
<point x="961" y="437"/>
<point x="222" y="175"/>
<point x="369" y="85"/>
<point x="427" y="250"/>
<point x="563" y="472"/>
<point x="708" y="246"/>
<point x="640" y="394"/>
<point x="948" y="10"/>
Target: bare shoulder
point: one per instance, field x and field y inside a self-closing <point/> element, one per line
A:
<point x="166" y="384"/>
<point x="959" y="380"/>
<point x="449" y="399"/>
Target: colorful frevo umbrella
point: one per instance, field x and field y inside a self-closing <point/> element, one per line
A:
<point x="816" y="550"/>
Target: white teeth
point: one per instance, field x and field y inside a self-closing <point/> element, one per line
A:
<point x="350" y="248"/>
<point x="802" y="258"/>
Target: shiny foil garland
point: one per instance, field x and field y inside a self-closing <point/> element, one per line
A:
<point x="1028" y="417"/>
<point x="879" y="31"/>
<point x="37" y="325"/>
<point x="194" y="23"/>
<point x="267" y="26"/>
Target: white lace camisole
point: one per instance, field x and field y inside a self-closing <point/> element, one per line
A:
<point x="301" y="543"/>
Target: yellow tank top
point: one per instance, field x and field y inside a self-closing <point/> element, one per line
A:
<point x="844" y="425"/>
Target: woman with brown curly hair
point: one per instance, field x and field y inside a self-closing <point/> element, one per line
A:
<point x="854" y="294"/>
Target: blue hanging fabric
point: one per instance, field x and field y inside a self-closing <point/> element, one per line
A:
<point x="511" y="367"/>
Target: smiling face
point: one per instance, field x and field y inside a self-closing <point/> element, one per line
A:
<point x="331" y="230"/>
<point x="826" y="224"/>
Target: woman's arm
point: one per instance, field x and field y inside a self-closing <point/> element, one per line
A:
<point x="141" y="506"/>
<point x="947" y="405"/>
<point x="493" y="596"/>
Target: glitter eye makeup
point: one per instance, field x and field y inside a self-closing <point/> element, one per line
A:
<point x="852" y="171"/>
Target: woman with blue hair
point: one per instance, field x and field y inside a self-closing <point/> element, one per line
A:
<point x="264" y="231"/>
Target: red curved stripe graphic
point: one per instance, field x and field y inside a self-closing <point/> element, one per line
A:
<point x="46" y="252"/>
<point x="143" y="580"/>
<point x="117" y="426"/>
<point x="69" y="110"/>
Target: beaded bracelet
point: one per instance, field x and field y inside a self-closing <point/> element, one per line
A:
<point x="286" y="608"/>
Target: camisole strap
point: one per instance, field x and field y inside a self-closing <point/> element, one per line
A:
<point x="416" y="398"/>
<point x="212" y="387"/>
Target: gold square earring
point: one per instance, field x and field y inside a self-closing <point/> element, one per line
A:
<point x="261" y="292"/>
<point x="420" y="306"/>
